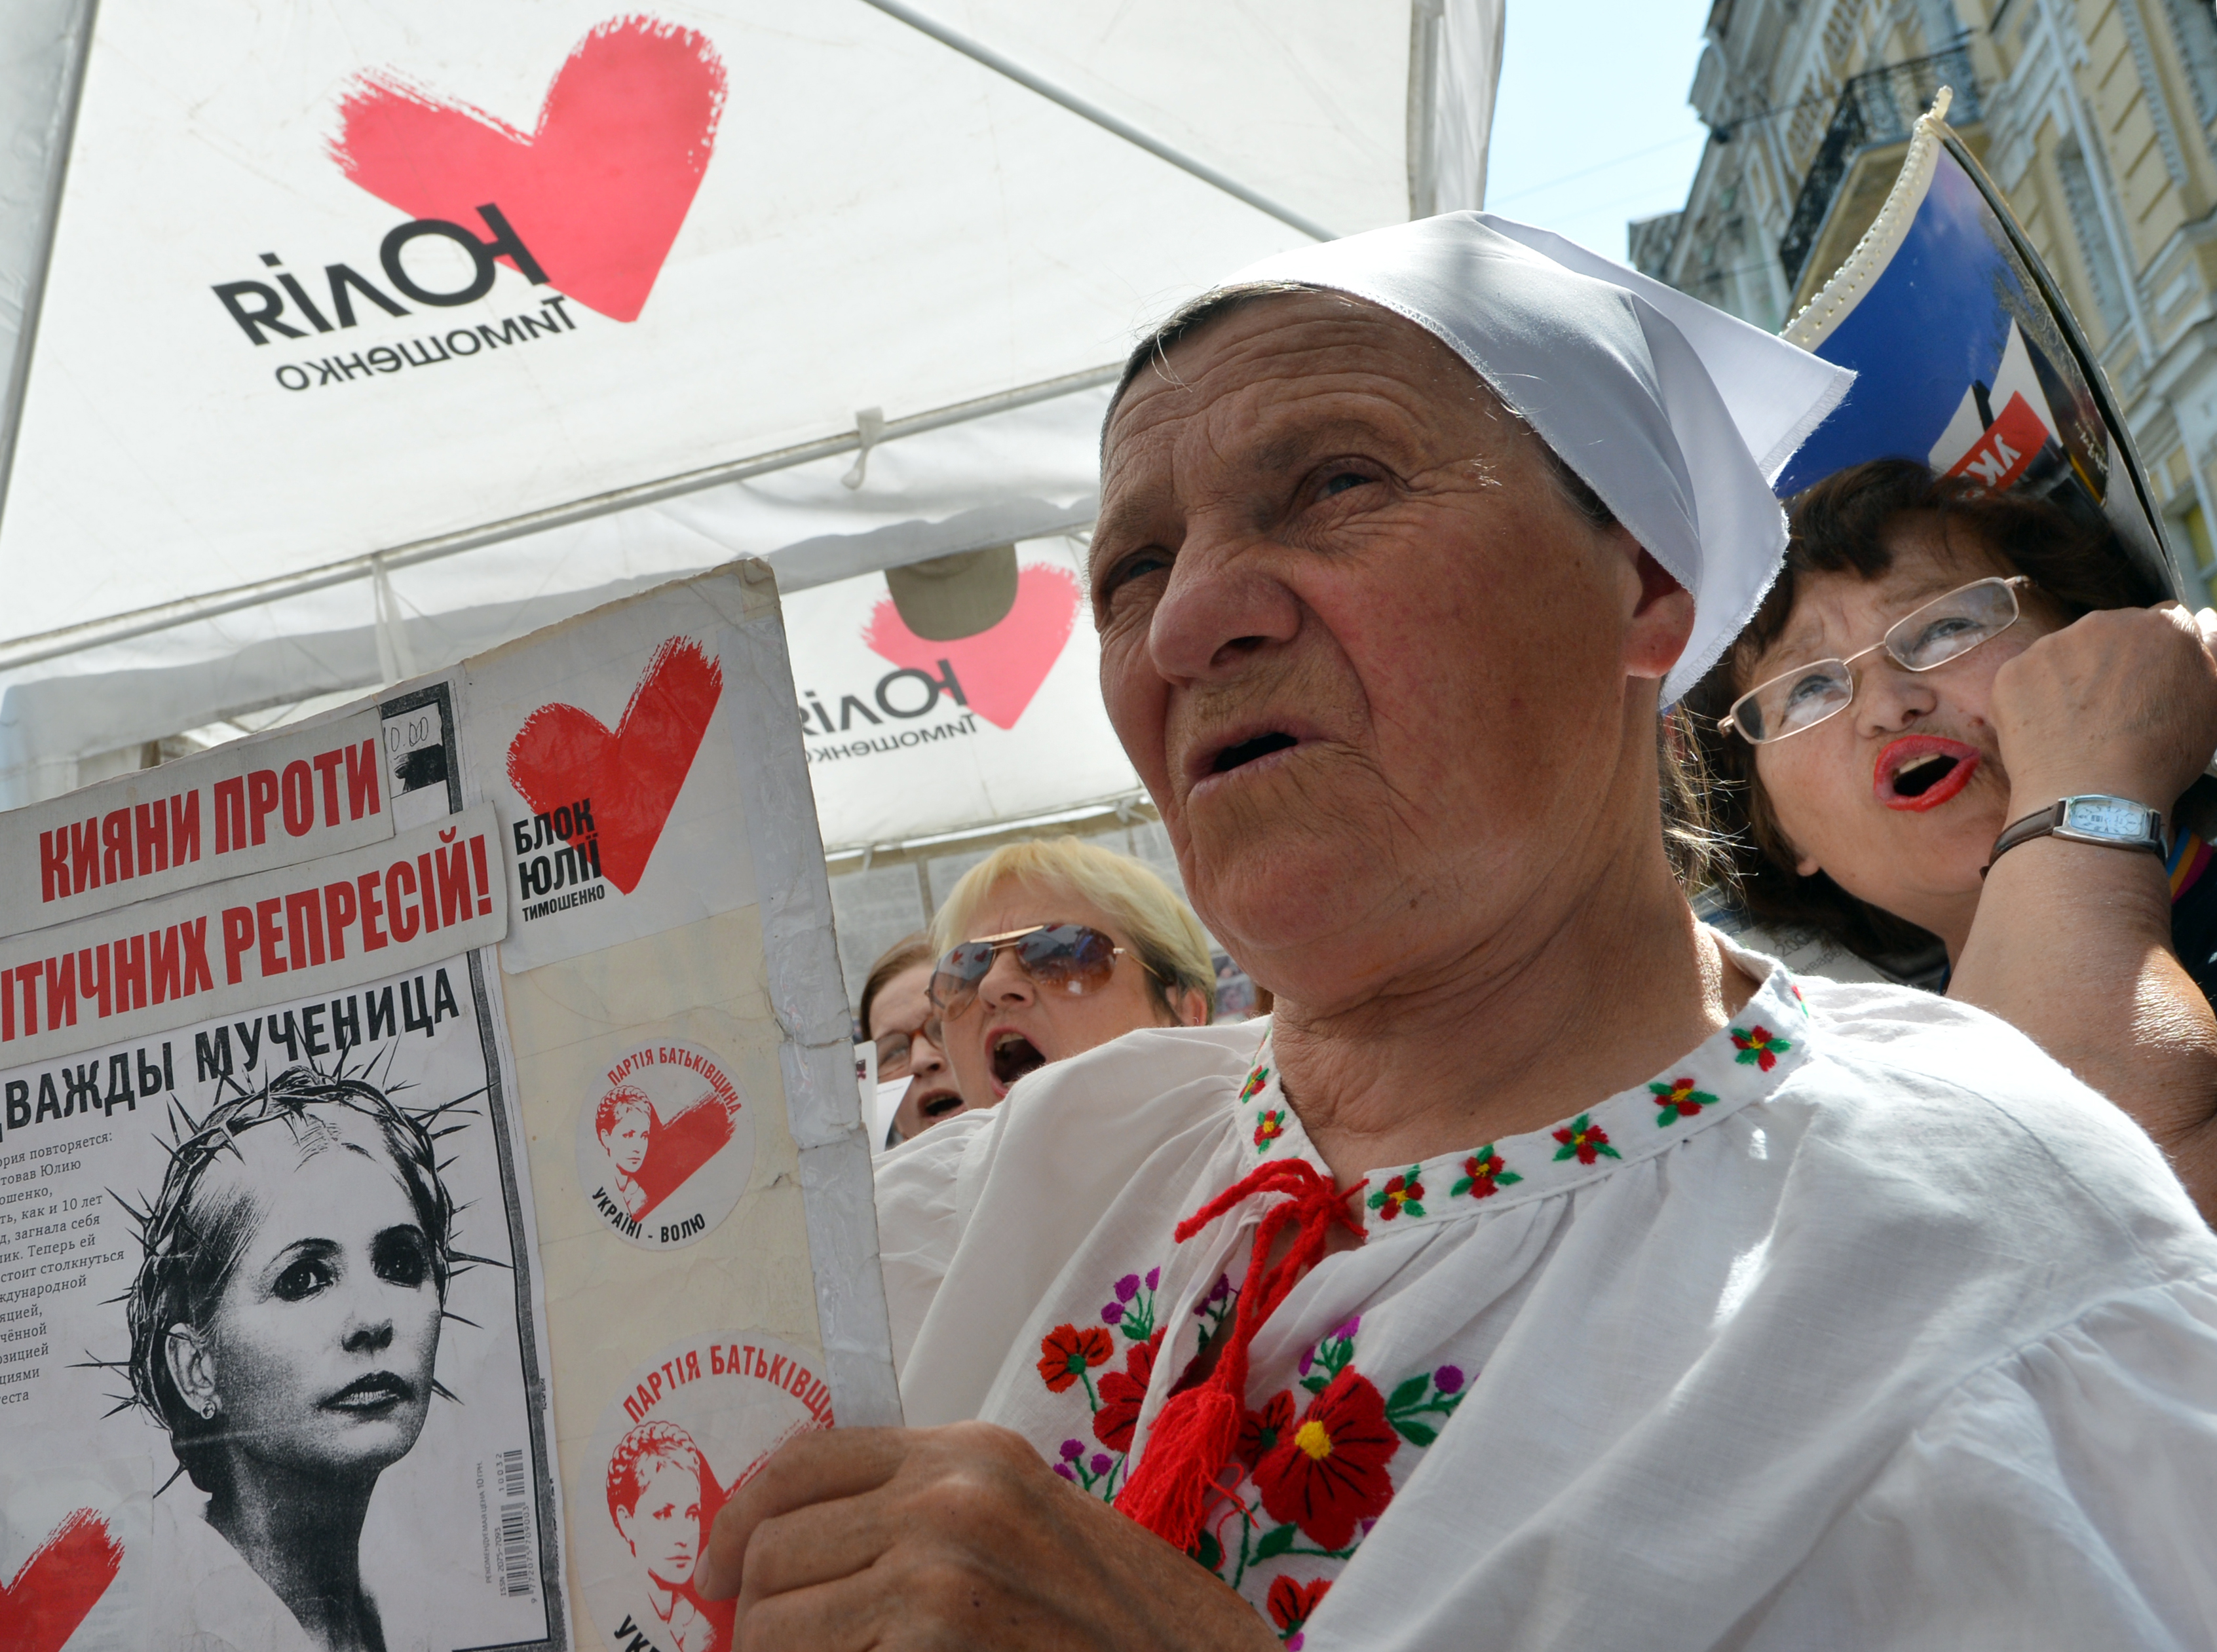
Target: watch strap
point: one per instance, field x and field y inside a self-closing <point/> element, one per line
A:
<point x="2050" y="822"/>
<point x="2039" y="824"/>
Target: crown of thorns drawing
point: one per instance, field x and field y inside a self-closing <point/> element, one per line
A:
<point x="189" y="1245"/>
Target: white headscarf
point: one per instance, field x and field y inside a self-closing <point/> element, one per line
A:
<point x="1677" y="415"/>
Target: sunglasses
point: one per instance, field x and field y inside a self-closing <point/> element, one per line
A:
<point x="1946" y="628"/>
<point x="1067" y="958"/>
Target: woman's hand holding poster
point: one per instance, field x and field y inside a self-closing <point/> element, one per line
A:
<point x="431" y="1178"/>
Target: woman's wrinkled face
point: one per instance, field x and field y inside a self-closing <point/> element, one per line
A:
<point x="1371" y="664"/>
<point x="664" y="1528"/>
<point x="319" y="1352"/>
<point x="903" y="1005"/>
<point x="1898" y="798"/>
<point x="1015" y="1026"/>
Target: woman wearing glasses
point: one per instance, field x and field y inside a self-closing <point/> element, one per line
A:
<point x="1958" y="742"/>
<point x="897" y="1013"/>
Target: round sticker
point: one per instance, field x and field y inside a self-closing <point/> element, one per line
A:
<point x="665" y="1146"/>
<point x="690" y="1431"/>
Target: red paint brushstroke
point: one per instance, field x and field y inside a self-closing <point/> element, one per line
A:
<point x="64" y="1580"/>
<point x="1000" y="668"/>
<point x="682" y="1143"/>
<point x="597" y="190"/>
<point x="633" y="775"/>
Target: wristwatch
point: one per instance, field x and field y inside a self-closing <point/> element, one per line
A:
<point x="2113" y="822"/>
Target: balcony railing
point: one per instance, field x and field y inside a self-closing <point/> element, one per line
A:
<point x="1876" y="107"/>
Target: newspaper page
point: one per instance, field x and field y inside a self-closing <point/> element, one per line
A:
<point x="432" y="1175"/>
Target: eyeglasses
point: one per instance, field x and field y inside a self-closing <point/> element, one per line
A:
<point x="1946" y="628"/>
<point x="1061" y="958"/>
<point x="895" y="1048"/>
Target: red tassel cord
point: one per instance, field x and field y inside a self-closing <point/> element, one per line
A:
<point x="1181" y="1471"/>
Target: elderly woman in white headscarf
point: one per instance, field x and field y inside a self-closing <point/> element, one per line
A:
<point x="1551" y="1273"/>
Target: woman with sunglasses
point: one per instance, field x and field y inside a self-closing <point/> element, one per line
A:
<point x="1938" y="671"/>
<point x="1051" y="947"/>
<point x="1044" y="949"/>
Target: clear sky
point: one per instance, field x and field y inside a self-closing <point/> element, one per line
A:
<point x="1592" y="128"/>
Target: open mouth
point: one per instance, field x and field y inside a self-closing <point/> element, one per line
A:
<point x="1922" y="771"/>
<point x="1012" y="1055"/>
<point x="372" y="1393"/>
<point x="1247" y="751"/>
<point x="938" y="1105"/>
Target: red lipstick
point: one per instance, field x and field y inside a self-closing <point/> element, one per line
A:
<point x="1922" y="771"/>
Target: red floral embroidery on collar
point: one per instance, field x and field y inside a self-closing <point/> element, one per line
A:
<point x="1584" y="1139"/>
<point x="1680" y="1100"/>
<point x="1404" y="1192"/>
<point x="1708" y="1083"/>
<point x="1484" y="1176"/>
<point x="1760" y="1045"/>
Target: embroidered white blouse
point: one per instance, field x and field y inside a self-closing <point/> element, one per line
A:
<point x="1864" y="1325"/>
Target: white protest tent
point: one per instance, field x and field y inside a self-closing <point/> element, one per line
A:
<point x="839" y="283"/>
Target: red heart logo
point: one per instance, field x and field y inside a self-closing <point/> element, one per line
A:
<point x="63" y="1580"/>
<point x="682" y="1143"/>
<point x="631" y="777"/>
<point x="597" y="191"/>
<point x="1001" y="667"/>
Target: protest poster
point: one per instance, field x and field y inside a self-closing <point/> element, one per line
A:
<point x="1966" y="357"/>
<point x="432" y="1171"/>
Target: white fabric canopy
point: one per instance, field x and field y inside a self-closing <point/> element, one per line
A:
<point x="880" y="227"/>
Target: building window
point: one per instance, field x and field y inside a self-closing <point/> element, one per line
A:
<point x="2194" y="28"/>
<point x="2101" y="272"/>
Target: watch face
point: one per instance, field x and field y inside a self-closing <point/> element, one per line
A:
<point x="2107" y="818"/>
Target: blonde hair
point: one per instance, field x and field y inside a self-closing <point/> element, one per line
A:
<point x="1159" y="927"/>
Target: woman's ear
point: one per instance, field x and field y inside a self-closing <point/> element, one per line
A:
<point x="1190" y="1007"/>
<point x="1662" y="617"/>
<point x="192" y="1368"/>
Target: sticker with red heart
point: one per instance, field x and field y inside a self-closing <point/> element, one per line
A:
<point x="597" y="190"/>
<point x="628" y="778"/>
<point x="665" y="1144"/>
<point x="42" y="1605"/>
<point x="692" y="1429"/>
<point x="1000" y="668"/>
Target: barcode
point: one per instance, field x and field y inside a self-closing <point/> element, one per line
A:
<point x="511" y="1471"/>
<point x="516" y="1557"/>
